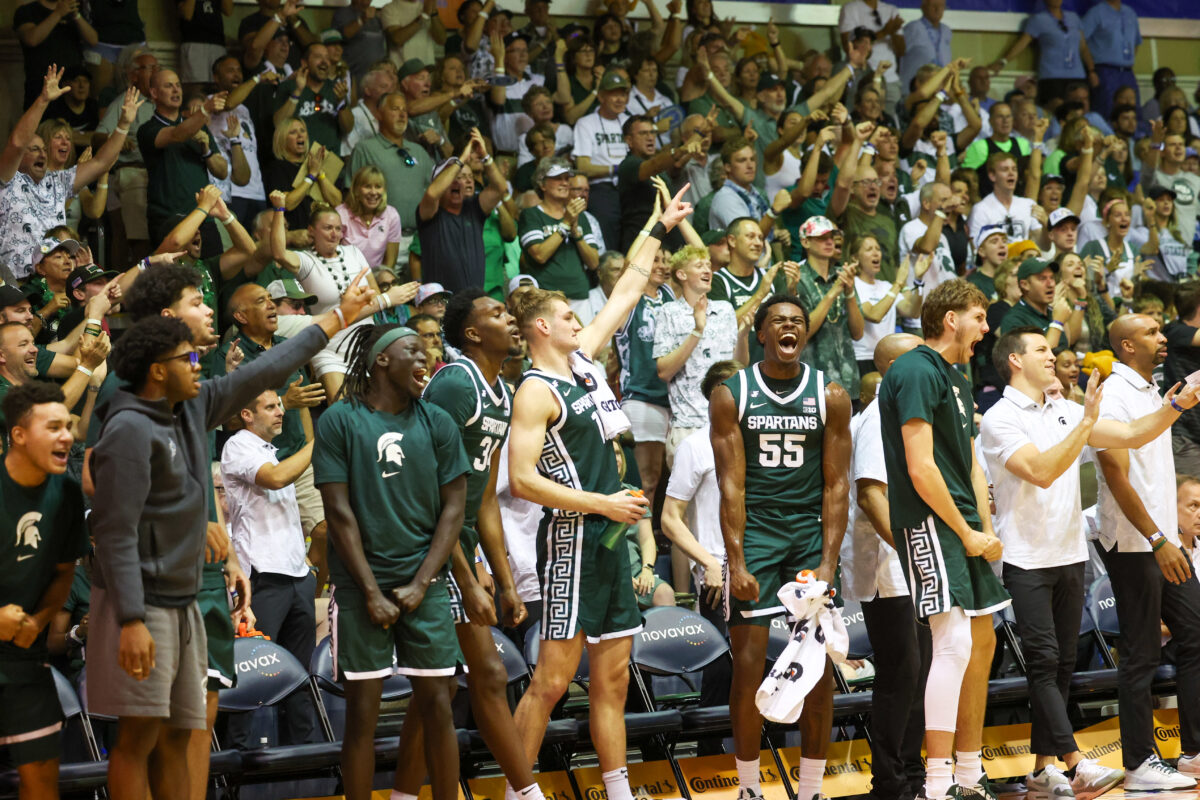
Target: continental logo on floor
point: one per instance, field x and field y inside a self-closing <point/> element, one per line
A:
<point x="645" y="790"/>
<point x="990" y="752"/>
<point x="857" y="765"/>
<point x="700" y="784"/>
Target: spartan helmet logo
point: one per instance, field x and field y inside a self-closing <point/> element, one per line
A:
<point x="390" y="452"/>
<point x="28" y="534"/>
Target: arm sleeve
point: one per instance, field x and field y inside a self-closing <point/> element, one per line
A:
<point x="330" y="461"/>
<point x="583" y="139"/>
<point x="242" y="459"/>
<point x="121" y="466"/>
<point x="447" y="443"/>
<point x="316" y="280"/>
<point x="1001" y="438"/>
<point x="867" y="461"/>
<point x="916" y="389"/>
<point x="528" y="232"/>
<point x="452" y="391"/>
<point x="392" y="225"/>
<point x="686" y="476"/>
<point x="665" y="337"/>
<point x="75" y="544"/>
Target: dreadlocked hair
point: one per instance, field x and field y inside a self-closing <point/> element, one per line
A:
<point x="357" y="347"/>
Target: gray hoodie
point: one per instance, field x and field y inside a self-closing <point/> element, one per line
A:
<point x="151" y="470"/>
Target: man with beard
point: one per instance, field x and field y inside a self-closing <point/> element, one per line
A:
<point x="472" y="392"/>
<point x="179" y="152"/>
<point x="311" y="95"/>
<point x="784" y="503"/>
<point x="938" y="506"/>
<point x="450" y="218"/>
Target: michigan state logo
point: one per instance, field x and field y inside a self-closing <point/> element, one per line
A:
<point x="28" y="534"/>
<point x="390" y="453"/>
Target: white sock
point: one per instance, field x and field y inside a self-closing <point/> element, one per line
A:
<point x="509" y="792"/>
<point x="530" y="792"/>
<point x="616" y="783"/>
<point x="968" y="769"/>
<point x="402" y="796"/>
<point x="939" y="774"/>
<point x="748" y="775"/>
<point x="812" y="772"/>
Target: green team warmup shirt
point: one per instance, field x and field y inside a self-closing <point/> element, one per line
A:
<point x="635" y="351"/>
<point x="923" y="385"/>
<point x="481" y="413"/>
<point x="564" y="270"/>
<point x="783" y="428"/>
<point x="42" y="527"/>
<point x="575" y="453"/>
<point x="394" y="466"/>
<point x="738" y="290"/>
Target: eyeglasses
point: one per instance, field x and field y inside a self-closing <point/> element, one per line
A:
<point x="192" y="356"/>
<point x="409" y="161"/>
<point x="868" y="181"/>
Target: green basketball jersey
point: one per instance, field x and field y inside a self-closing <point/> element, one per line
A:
<point x="923" y="385"/>
<point x="575" y="453"/>
<point x="394" y="466"/>
<point x="635" y="351"/>
<point x="738" y="291"/>
<point x="783" y="428"/>
<point x="40" y="528"/>
<point x="481" y="413"/>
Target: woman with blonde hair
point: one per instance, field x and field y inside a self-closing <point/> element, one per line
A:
<point x="290" y="146"/>
<point x="368" y="222"/>
<point x="56" y="136"/>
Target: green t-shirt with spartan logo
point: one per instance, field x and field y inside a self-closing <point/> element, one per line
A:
<point x="481" y="413"/>
<point x="394" y="466"/>
<point x="575" y="453"/>
<point x="923" y="385"/>
<point x="783" y="430"/>
<point x="563" y="271"/>
<point x="738" y="290"/>
<point x="42" y="527"/>
<point x="635" y="350"/>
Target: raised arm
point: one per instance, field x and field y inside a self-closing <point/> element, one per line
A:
<point x="632" y="283"/>
<point x="1109" y="433"/>
<point x="279" y="249"/>
<point x="719" y="92"/>
<point x="1043" y="467"/>
<point x="26" y="127"/>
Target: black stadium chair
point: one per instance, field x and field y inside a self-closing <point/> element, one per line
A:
<point x="331" y="708"/>
<point x="1102" y="605"/>
<point x="266" y="674"/>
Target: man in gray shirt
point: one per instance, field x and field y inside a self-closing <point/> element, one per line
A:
<point x="1170" y="173"/>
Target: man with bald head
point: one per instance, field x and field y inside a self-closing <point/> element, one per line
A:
<point x="178" y="152"/>
<point x="871" y="574"/>
<point x="1152" y="579"/>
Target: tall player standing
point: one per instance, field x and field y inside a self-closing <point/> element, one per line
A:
<point x="781" y="441"/>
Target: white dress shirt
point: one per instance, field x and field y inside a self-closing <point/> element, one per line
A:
<point x="1040" y="528"/>
<point x="264" y="524"/>
<point x="1127" y="396"/>
<point x="870" y="567"/>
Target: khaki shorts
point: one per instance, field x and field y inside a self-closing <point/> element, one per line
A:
<point x="129" y="196"/>
<point x="196" y="61"/>
<point x="177" y="685"/>
<point x="312" y="510"/>
<point x="648" y="422"/>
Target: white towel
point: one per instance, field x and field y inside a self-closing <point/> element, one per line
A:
<point x="817" y="632"/>
<point x="612" y="419"/>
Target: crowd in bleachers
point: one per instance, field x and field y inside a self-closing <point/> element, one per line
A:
<point x="367" y="175"/>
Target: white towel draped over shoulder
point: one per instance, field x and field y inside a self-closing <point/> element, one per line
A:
<point x="612" y="418"/>
<point x="817" y="632"/>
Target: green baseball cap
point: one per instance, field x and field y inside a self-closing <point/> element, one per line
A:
<point x="1032" y="266"/>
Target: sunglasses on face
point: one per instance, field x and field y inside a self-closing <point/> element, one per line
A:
<point x="193" y="358"/>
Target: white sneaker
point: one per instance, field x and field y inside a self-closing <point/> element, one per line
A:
<point x="1155" y="775"/>
<point x="1189" y="765"/>
<point x="1092" y="779"/>
<point x="1049" y="784"/>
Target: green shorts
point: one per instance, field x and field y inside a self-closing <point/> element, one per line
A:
<point x="585" y="586"/>
<point x="218" y="624"/>
<point x="776" y="545"/>
<point x="421" y="643"/>
<point x="941" y="575"/>
<point x="31" y="725"/>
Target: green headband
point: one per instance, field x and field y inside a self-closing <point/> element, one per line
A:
<point x="389" y="337"/>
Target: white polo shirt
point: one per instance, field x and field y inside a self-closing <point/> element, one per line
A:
<point x="264" y="524"/>
<point x="870" y="567"/>
<point x="694" y="480"/>
<point x="1128" y="396"/>
<point x="1040" y="528"/>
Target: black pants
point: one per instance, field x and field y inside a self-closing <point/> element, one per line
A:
<point x="902" y="652"/>
<point x="1048" y="604"/>
<point x="604" y="203"/>
<point x="286" y="612"/>
<point x="1144" y="597"/>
